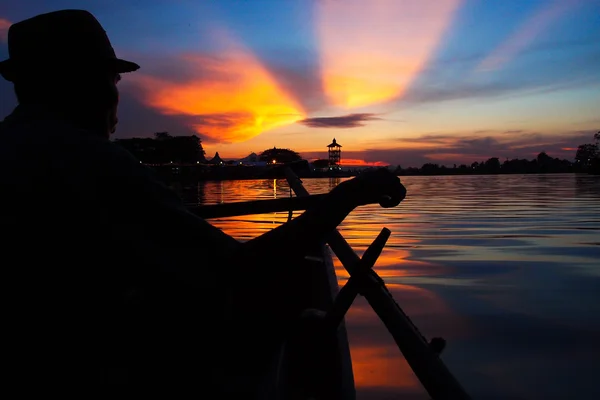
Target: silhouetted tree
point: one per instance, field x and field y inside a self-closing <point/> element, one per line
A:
<point x="185" y="149"/>
<point x="543" y="158"/>
<point x="165" y="148"/>
<point x="321" y="163"/>
<point x="162" y="136"/>
<point x="430" y="169"/>
<point x="586" y="153"/>
<point x="595" y="164"/>
<point x="279" y="155"/>
<point x="492" y="165"/>
<point x="543" y="163"/>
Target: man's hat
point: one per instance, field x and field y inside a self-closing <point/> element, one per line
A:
<point x="66" y="40"/>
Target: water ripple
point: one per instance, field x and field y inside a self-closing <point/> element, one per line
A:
<point x="506" y="268"/>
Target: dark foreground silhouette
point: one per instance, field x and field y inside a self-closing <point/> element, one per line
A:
<point x="109" y="277"/>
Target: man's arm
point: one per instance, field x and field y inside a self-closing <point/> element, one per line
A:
<point x="190" y="239"/>
<point x="191" y="234"/>
<point x="311" y="228"/>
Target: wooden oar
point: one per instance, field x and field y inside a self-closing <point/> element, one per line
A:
<point x="422" y="356"/>
<point x="256" y="207"/>
<point x="351" y="289"/>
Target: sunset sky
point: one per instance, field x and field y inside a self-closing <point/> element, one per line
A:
<point x="394" y="81"/>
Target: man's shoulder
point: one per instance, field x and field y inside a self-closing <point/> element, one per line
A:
<point x="55" y="137"/>
<point x="41" y="132"/>
<point x="63" y="150"/>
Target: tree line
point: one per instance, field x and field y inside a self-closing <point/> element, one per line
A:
<point x="587" y="157"/>
<point x="543" y="163"/>
<point x="164" y="148"/>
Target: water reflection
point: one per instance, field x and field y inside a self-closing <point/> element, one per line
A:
<point x="381" y="368"/>
<point x="333" y="182"/>
<point x="379" y="365"/>
<point x="506" y="268"/>
<point x="192" y="194"/>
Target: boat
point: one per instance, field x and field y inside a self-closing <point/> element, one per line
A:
<point x="307" y="360"/>
<point x="313" y="361"/>
<point x="309" y="354"/>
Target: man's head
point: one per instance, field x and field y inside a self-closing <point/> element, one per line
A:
<point x="64" y="61"/>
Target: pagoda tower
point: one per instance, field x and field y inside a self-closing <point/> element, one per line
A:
<point x="335" y="155"/>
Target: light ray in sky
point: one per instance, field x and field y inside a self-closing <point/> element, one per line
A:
<point x="248" y="77"/>
<point x="371" y="51"/>
<point x="525" y="34"/>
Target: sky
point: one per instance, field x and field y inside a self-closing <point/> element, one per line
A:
<point x="396" y="82"/>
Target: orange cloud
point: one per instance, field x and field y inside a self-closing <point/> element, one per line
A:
<point x="230" y="98"/>
<point x="358" y="162"/>
<point x="4" y="25"/>
<point x="371" y="51"/>
<point x="355" y="162"/>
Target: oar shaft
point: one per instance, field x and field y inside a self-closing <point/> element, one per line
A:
<point x="424" y="361"/>
<point x="350" y="290"/>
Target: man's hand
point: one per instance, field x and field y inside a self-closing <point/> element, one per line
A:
<point x="374" y="186"/>
<point x="294" y="238"/>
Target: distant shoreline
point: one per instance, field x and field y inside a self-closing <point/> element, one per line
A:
<point x="192" y="174"/>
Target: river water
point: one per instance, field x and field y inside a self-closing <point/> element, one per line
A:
<point x="506" y="268"/>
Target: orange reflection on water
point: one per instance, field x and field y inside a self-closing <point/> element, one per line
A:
<point x="249" y="226"/>
<point x="418" y="300"/>
<point x="377" y="362"/>
<point x="415" y="301"/>
<point x="246" y="227"/>
<point x="393" y="263"/>
<point x="376" y="359"/>
<point x="381" y="367"/>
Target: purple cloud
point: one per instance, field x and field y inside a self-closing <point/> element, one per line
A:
<point x="344" y="121"/>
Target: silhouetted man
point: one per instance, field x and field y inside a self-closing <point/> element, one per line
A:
<point x="107" y="276"/>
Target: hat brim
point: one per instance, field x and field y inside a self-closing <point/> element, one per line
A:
<point x="123" y="66"/>
<point x="8" y="67"/>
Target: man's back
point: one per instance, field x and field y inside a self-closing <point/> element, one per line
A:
<point x="92" y="294"/>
